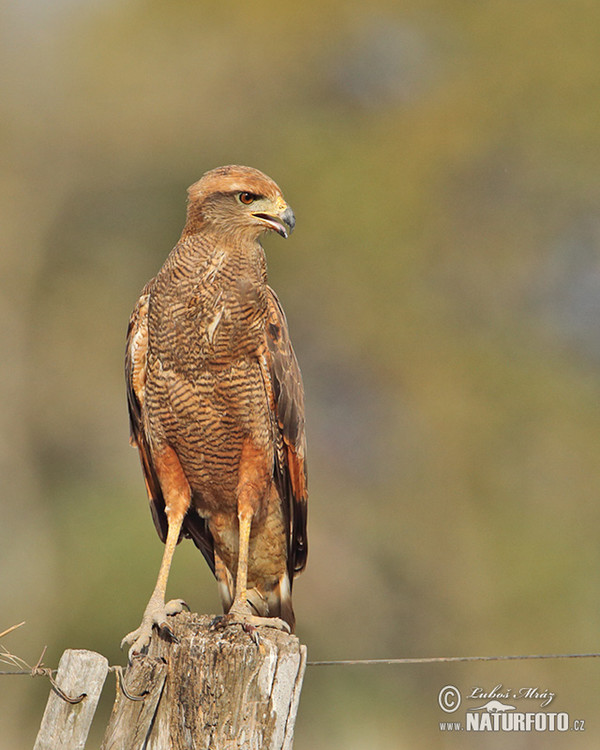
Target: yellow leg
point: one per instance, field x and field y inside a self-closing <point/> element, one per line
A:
<point x="253" y="484"/>
<point x="177" y="494"/>
<point x="240" y="603"/>
<point x="156" y="610"/>
<point x="165" y="565"/>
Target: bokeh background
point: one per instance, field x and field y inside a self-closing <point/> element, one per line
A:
<point x="443" y="294"/>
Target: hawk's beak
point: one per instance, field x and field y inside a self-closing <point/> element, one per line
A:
<point x="289" y="219"/>
<point x="282" y="223"/>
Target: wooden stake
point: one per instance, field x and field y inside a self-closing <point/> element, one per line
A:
<point x="66" y="723"/>
<point x="221" y="689"/>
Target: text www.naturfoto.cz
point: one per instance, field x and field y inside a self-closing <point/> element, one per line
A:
<point x="514" y="722"/>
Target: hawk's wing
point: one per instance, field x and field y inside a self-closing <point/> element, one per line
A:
<point x="135" y="375"/>
<point x="290" y="438"/>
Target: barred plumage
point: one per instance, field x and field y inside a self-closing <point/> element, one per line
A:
<point x="216" y="403"/>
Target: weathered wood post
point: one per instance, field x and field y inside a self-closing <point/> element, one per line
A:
<point x="214" y="689"/>
<point x="68" y="717"/>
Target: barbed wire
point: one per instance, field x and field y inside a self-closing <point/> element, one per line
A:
<point x="40" y="669"/>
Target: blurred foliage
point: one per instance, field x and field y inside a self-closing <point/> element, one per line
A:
<point x="443" y="294"/>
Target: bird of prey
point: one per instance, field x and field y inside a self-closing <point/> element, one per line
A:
<point x="216" y="405"/>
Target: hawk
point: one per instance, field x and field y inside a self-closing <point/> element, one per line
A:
<point x="216" y="405"/>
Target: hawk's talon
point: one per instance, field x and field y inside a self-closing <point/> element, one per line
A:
<point x="155" y="616"/>
<point x="218" y="622"/>
<point x="175" y="606"/>
<point x="165" y="629"/>
<point x="252" y="631"/>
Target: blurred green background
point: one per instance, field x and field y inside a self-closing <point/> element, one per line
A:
<point x="443" y="294"/>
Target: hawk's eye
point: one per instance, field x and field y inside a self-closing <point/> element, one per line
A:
<point x="247" y="198"/>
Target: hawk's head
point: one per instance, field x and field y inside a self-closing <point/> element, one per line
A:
<point x="238" y="200"/>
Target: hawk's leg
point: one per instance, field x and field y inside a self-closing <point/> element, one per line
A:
<point x="240" y="604"/>
<point x="241" y="611"/>
<point x="177" y="495"/>
<point x="253" y="481"/>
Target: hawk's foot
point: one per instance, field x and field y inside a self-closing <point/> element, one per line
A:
<point x="155" y="615"/>
<point x="249" y="622"/>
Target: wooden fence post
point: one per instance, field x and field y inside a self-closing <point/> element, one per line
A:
<point x="214" y="689"/>
<point x="65" y="725"/>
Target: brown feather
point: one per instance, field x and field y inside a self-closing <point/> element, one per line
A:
<point x="212" y="379"/>
<point x="290" y="468"/>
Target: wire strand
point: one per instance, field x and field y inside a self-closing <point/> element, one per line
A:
<point x="407" y="660"/>
<point x="446" y="659"/>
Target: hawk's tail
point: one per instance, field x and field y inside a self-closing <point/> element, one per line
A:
<point x="275" y="603"/>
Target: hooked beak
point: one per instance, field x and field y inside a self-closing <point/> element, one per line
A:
<point x="282" y="223"/>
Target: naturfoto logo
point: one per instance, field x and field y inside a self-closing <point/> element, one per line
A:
<point x="500" y="712"/>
